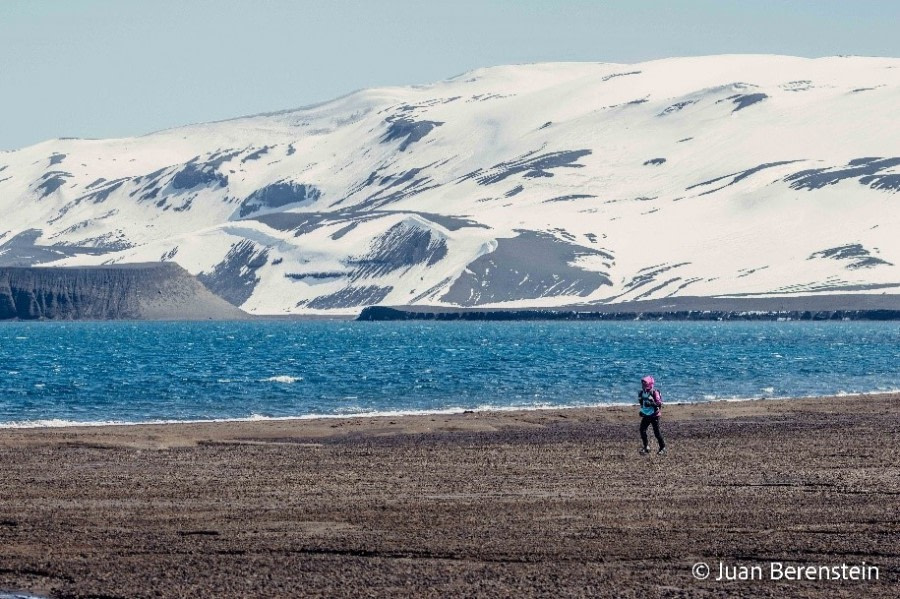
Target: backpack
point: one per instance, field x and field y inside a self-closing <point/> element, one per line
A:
<point x="648" y="402"/>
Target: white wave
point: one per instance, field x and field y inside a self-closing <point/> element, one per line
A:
<point x="283" y="378"/>
<point x="59" y="423"/>
<point x="709" y="398"/>
<point x="62" y="423"/>
<point x="254" y="417"/>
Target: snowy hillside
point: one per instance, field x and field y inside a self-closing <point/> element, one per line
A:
<point x="534" y="185"/>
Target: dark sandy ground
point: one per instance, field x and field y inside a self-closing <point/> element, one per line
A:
<point x="552" y="503"/>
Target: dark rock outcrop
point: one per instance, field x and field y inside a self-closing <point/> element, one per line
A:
<point x="383" y="313"/>
<point x="153" y="291"/>
<point x="534" y="264"/>
<point x="824" y="307"/>
<point x="279" y="195"/>
<point x="234" y="278"/>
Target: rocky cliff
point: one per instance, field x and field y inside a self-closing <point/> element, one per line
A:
<point x="826" y="307"/>
<point x="154" y="291"/>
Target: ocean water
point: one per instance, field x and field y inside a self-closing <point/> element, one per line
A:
<point x="62" y="373"/>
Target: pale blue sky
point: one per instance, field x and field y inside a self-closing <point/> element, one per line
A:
<point x="109" y="68"/>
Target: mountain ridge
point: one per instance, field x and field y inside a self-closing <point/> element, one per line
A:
<point x="509" y="186"/>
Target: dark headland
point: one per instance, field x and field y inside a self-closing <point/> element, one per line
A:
<point x="809" y="307"/>
<point x="152" y="291"/>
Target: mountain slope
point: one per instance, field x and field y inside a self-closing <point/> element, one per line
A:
<point x="533" y="185"/>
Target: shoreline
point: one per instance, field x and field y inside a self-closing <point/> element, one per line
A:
<point x="62" y="424"/>
<point x="518" y="503"/>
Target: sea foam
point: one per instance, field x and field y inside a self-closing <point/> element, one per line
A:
<point x="283" y="378"/>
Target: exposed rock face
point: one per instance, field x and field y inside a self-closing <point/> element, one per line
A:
<point x="155" y="291"/>
<point x="824" y="307"/>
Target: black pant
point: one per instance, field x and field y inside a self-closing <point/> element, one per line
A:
<point x="651" y="421"/>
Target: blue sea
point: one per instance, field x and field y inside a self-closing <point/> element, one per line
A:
<point x="54" y="374"/>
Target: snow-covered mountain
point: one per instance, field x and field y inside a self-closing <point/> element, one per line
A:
<point x="533" y="185"/>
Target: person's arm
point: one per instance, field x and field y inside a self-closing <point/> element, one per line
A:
<point x="657" y="398"/>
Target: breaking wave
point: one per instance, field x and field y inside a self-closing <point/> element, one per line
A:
<point x="284" y="379"/>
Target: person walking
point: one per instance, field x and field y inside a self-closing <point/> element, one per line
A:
<point x="650" y="400"/>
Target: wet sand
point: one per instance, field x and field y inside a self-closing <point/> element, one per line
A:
<point x="551" y="503"/>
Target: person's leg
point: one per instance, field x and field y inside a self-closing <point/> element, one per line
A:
<point x="645" y="422"/>
<point x="659" y="437"/>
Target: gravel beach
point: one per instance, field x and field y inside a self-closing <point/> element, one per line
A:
<point x="547" y="503"/>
